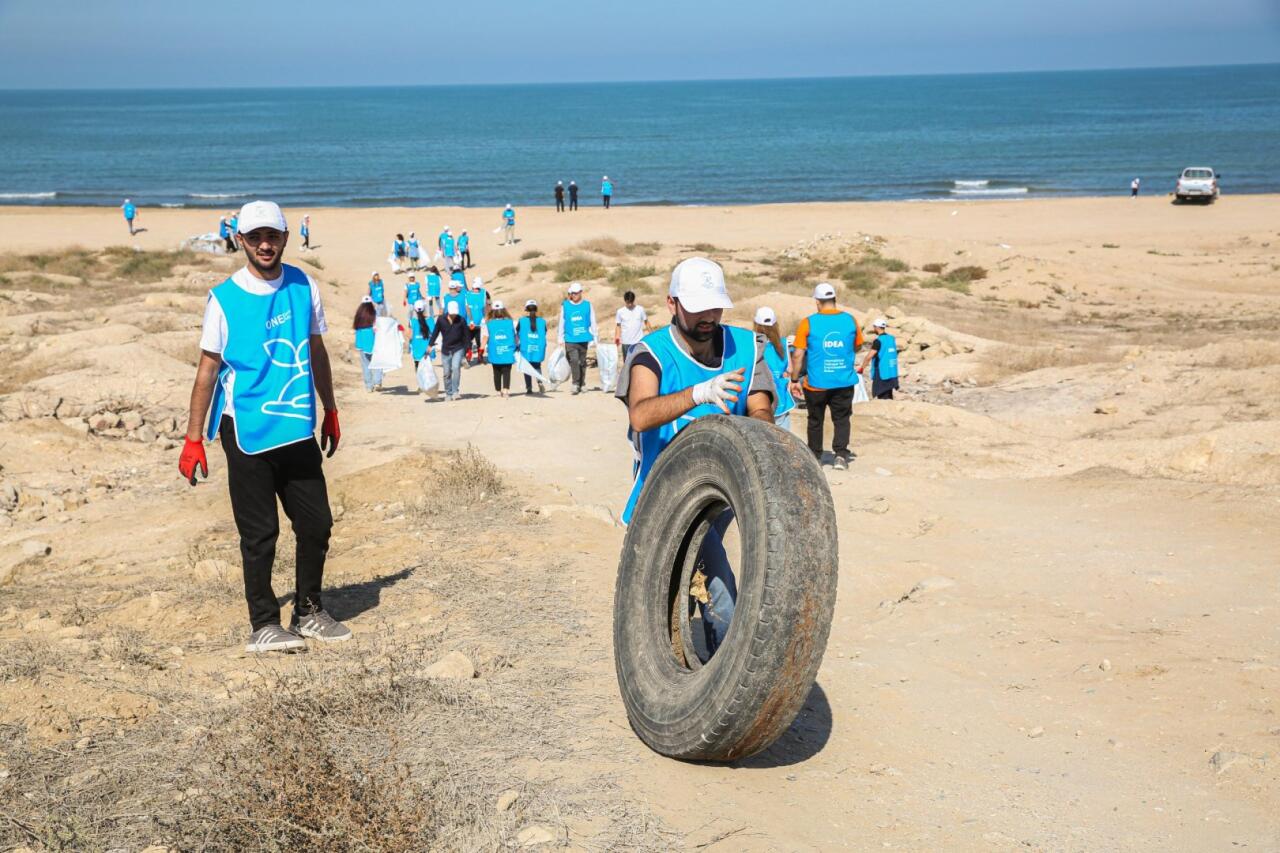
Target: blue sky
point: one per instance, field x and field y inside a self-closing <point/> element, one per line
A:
<point x="163" y="43"/>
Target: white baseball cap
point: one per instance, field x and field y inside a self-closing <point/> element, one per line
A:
<point x="411" y="234"/>
<point x="508" y="207"/>
<point x="261" y="214"/>
<point x="375" y="272"/>
<point x="765" y="316"/>
<point x="531" y="303"/>
<point x="575" y="288"/>
<point x="420" y="305"/>
<point x="605" y="178"/>
<point x="496" y="305"/>
<point x="454" y="284"/>
<point x="446" y="229"/>
<point x="881" y="323"/>
<point x="699" y="285"/>
<point x="453" y="308"/>
<point x="366" y="300"/>
<point x="477" y="281"/>
<point x="824" y="291"/>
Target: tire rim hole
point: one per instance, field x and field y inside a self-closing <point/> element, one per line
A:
<point x="704" y="584"/>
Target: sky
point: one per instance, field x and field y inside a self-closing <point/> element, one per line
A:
<point x="247" y="43"/>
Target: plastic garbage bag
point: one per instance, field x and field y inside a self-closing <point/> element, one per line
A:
<point x="427" y="379"/>
<point x="388" y="345"/>
<point x="607" y="361"/>
<point x="860" y="392"/>
<point x="523" y="365"/>
<point x="557" y="367"/>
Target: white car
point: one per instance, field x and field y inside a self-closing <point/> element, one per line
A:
<point x="1199" y="182"/>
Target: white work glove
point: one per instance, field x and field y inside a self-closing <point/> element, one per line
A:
<point x="719" y="390"/>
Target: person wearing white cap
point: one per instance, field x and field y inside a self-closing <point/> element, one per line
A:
<point x="573" y="195"/>
<point x="883" y="356"/>
<point x="420" y="328"/>
<point x="378" y="293"/>
<point x="777" y="354"/>
<point x="130" y="213"/>
<point x="464" y="250"/>
<point x="451" y="331"/>
<point x="415" y="251"/>
<point x="691" y="368"/>
<point x="559" y="196"/>
<point x="476" y="301"/>
<point x="366" y="316"/>
<point x="531" y="340"/>
<point x="508" y="226"/>
<point x="826" y="343"/>
<point x="606" y="191"/>
<point x="433" y="291"/>
<point x="412" y="290"/>
<point x="398" y="253"/>
<point x="577" y="330"/>
<point x="500" y="336"/>
<point x="446" y="244"/>
<point x="262" y="365"/>
<point x="306" y="231"/>
<point x="454" y="296"/>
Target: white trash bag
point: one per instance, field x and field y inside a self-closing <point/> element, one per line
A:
<point x="557" y="368"/>
<point x="607" y="361"/>
<point x="388" y="345"/>
<point x="524" y="366"/>
<point x="860" y="392"/>
<point x="427" y="379"/>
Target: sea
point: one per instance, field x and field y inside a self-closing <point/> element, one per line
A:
<point x="927" y="138"/>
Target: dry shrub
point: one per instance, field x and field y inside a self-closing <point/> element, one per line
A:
<point x="578" y="268"/>
<point x="539" y="267"/>
<point x="115" y="263"/>
<point x="642" y="249"/>
<point x="74" y="261"/>
<point x="707" y="248"/>
<point x="29" y="658"/>
<point x="607" y="246"/>
<point x="1242" y="355"/>
<point x="934" y="267"/>
<point x="464" y="476"/>
<point x="129" y="646"/>
<point x="967" y="274"/>
<point x="506" y="271"/>
<point x="626" y="276"/>
<point x="530" y="254"/>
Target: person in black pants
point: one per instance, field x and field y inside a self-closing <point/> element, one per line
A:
<point x="573" y="195"/>
<point x="559" y="196"/>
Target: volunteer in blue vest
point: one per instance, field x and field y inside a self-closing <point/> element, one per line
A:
<point x="691" y="368"/>
<point x="414" y="250"/>
<point x="433" y="291"/>
<point x="445" y="243"/>
<point x="500" y="334"/>
<point x="457" y="275"/>
<point x="306" y="231"/>
<point x="464" y="250"/>
<point x="454" y="297"/>
<point x="378" y="294"/>
<point x="777" y="354"/>
<point x="825" y="345"/>
<point x="262" y="365"/>
<point x="234" y="222"/>
<point x="130" y="213"/>
<point x="451" y="330"/>
<point x="531" y="338"/>
<point x="577" y="330"/>
<point x="398" y="252"/>
<point x="606" y="191"/>
<point x="476" y="300"/>
<point x="366" y="314"/>
<point x="224" y="232"/>
<point x="412" y="290"/>
<point x="883" y="357"/>
<point x="420" y="328"/>
<point x="508" y="226"/>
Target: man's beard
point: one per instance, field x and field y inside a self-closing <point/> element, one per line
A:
<point x="257" y="264"/>
<point x="696" y="334"/>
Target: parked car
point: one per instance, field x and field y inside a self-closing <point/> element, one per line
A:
<point x="1198" y="182"/>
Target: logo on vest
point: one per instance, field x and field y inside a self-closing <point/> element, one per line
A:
<point x="284" y="353"/>
<point x="833" y="341"/>
<point x="278" y="320"/>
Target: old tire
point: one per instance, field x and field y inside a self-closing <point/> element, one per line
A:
<point x="750" y="691"/>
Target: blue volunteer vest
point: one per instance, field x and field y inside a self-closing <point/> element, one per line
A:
<point x="364" y="339"/>
<point x="510" y="216"/>
<point x="412" y="292"/>
<point x="680" y="371"/>
<point x="433" y="285"/>
<point x="418" y="343"/>
<point x="376" y="291"/>
<point x="577" y="322"/>
<point x="475" y="300"/>
<point x="463" y="242"/>
<point x="533" y="340"/>
<point x="267" y="364"/>
<point x="129" y="211"/>
<point x="502" y="341"/>
<point x="456" y="300"/>
<point x="606" y="188"/>
<point x="887" y="358"/>
<point x="447" y="246"/>
<point x="778" y="365"/>
<point x="222" y="229"/>
<point x="397" y="247"/>
<point x="413" y="248"/>
<point x="459" y="276"/>
<point x="829" y="351"/>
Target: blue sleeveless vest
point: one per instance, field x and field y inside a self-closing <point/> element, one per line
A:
<point x="502" y="341"/>
<point x="376" y="291"/>
<point x="577" y="322"/>
<point x="413" y="248"/>
<point x="364" y="339"/>
<point x="829" y="351"/>
<point x="887" y="358"/>
<point x="475" y="300"/>
<point x="778" y="365"/>
<point x="433" y="285"/>
<point x="417" y="343"/>
<point x="267" y="363"/>
<point x="533" y="341"/>
<point x="681" y="371"/>
<point x="464" y="241"/>
<point x="462" y="306"/>
<point x="447" y="246"/>
<point x="412" y="292"/>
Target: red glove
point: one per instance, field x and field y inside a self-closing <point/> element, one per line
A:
<point x="192" y="458"/>
<point x="329" y="431"/>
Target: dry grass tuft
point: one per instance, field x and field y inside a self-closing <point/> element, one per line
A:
<point x="607" y="246"/>
<point x="530" y="254"/>
<point x="642" y="249"/>
<point x="626" y="276"/>
<point x="506" y="271"/>
<point x="1242" y="355"/>
<point x="935" y="267"/>
<point x="578" y="268"/>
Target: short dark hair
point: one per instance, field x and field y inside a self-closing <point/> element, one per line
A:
<point x="629" y="296"/>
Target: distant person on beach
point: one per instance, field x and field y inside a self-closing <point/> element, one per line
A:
<point x="433" y="291"/>
<point x="263" y="369"/>
<point x="451" y="331"/>
<point x="500" y="338"/>
<point x="476" y="301"/>
<point x="445" y="242"/>
<point x="224" y="231"/>
<point x="415" y="251"/>
<point x="464" y="250"/>
<point x="826" y="342"/>
<point x="777" y="354"/>
<point x="577" y="330"/>
<point x="1133" y="187"/>
<point x="508" y="226"/>
<point x="559" y="196"/>
<point x="573" y="195"/>
<point x="420" y="328"/>
<point x="234" y="222"/>
<point x="631" y="324"/>
<point x="306" y="231"/>
<point x="412" y="290"/>
<point x="531" y="338"/>
<point x="883" y="358"/>
<point x="130" y="213"/>
<point x="366" y="314"/>
<point x="378" y="294"/>
<point x="398" y="253"/>
<point x="606" y="191"/>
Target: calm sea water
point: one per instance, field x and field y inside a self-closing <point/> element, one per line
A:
<point x="970" y="136"/>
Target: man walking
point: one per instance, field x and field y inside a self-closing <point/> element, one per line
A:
<point x="1133" y="187"/>
<point x="577" y="330"/>
<point x="883" y="358"/>
<point x="631" y="324"/>
<point x="573" y="195"/>
<point x="606" y="191"/>
<point x="262" y="364"/>
<point x="508" y="227"/>
<point x="464" y="250"/>
<point x="130" y="212"/>
<point x="691" y="368"/>
<point x="825" y="345"/>
<point x="559" y="196"/>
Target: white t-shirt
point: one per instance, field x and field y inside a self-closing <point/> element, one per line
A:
<point x="213" y="337"/>
<point x="632" y="322"/>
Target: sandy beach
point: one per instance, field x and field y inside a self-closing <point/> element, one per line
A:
<point x="1056" y="624"/>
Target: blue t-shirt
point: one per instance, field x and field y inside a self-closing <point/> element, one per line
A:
<point x="129" y="211"/>
<point x="606" y="188"/>
<point x="463" y="242"/>
<point x="510" y="216"/>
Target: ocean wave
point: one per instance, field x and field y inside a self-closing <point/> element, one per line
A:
<point x="172" y="204"/>
<point x="28" y="195"/>
<point x="969" y="184"/>
<point x="217" y="195"/>
<point x="993" y="191"/>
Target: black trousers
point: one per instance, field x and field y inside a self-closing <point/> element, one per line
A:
<point x="473" y="341"/>
<point x="607" y="199"/>
<point x="840" y="401"/>
<point x="573" y="202"/>
<point x="501" y="377"/>
<point x="577" y="356"/>
<point x="466" y="258"/>
<point x="294" y="475"/>
<point x="528" y="380"/>
<point x="560" y="205"/>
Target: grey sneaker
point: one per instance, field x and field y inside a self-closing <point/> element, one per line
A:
<point x="273" y="638"/>
<point x="320" y="626"/>
<point x="841" y="463"/>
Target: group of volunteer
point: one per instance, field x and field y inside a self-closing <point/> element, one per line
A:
<point x="452" y="253"/>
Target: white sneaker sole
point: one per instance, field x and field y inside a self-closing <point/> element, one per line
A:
<point x="286" y="646"/>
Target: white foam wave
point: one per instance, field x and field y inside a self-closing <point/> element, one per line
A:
<point x="172" y="204"/>
<point x="27" y="195"/>
<point x="993" y="191"/>
<point x="217" y="195"/>
<point x="970" y="184"/>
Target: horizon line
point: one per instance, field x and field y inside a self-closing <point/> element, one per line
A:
<point x="784" y="78"/>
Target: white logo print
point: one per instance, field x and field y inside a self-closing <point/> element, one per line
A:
<point x="299" y="405"/>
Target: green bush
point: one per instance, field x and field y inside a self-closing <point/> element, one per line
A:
<point x="578" y="268"/>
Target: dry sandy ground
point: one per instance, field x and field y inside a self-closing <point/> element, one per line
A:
<point x="1056" y="627"/>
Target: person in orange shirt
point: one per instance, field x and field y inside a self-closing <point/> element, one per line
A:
<point x="825" y="345"/>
